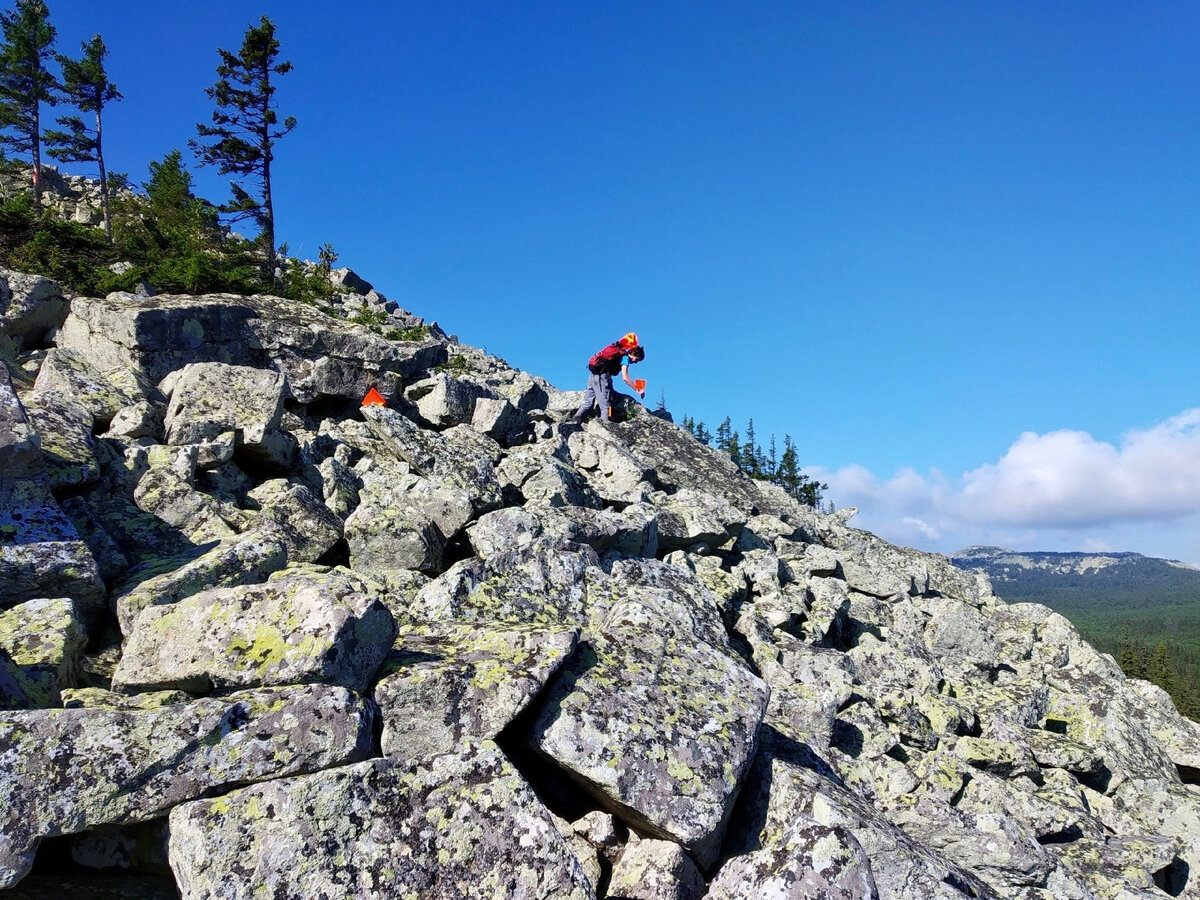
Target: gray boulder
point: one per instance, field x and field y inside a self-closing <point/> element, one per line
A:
<point x="45" y="639"/>
<point x="655" y="870"/>
<point x="246" y="559"/>
<point x="460" y="825"/>
<point x="288" y="631"/>
<point x="72" y="377"/>
<point x="41" y="554"/>
<point x="31" y="307"/>
<point x="690" y="517"/>
<point x="69" y="770"/>
<point x="321" y="356"/>
<point x="208" y="400"/>
<point x="659" y="731"/>
<point x="444" y="685"/>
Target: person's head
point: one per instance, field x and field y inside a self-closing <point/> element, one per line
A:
<point x="637" y="354"/>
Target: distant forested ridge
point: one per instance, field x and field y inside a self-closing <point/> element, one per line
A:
<point x="1142" y="610"/>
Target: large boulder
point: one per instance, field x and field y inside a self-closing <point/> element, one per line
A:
<point x="41" y="553"/>
<point x="321" y="356"/>
<point x="70" y="375"/>
<point x="464" y="824"/>
<point x="45" y="639"/>
<point x="660" y="731"/>
<point x="246" y="559"/>
<point x="208" y="400"/>
<point x="447" y="684"/>
<point x="72" y="769"/>
<point x="292" y="630"/>
<point x="31" y="307"/>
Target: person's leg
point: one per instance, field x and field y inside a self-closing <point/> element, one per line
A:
<point x="589" y="399"/>
<point x="604" y="392"/>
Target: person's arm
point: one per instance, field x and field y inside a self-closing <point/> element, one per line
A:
<point x="625" y="377"/>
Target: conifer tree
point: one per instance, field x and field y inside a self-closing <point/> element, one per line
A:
<point x="245" y="126"/>
<point x="724" y="430"/>
<point x="750" y="453"/>
<point x="85" y="85"/>
<point x="26" y="83"/>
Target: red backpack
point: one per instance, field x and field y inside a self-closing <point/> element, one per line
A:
<point x="607" y="360"/>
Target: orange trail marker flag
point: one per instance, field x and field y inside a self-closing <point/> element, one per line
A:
<point x="639" y="384"/>
<point x="374" y="398"/>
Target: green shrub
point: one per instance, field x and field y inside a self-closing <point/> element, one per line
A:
<point x="415" y="333"/>
<point x="456" y="365"/>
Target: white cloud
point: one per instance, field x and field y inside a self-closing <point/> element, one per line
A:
<point x="1064" y="488"/>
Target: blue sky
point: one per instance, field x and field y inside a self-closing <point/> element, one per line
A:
<point x="951" y="248"/>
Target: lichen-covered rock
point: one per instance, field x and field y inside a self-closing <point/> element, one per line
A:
<point x="539" y="585"/>
<point x="245" y="559"/>
<point x="655" y="870"/>
<point x="459" y="825"/>
<point x="20" y="444"/>
<point x="443" y="400"/>
<point x="389" y="531"/>
<point x="307" y="527"/>
<point x="30" y="307"/>
<point x="41" y="554"/>
<point x="321" y="356"/>
<point x="68" y="448"/>
<point x="459" y="457"/>
<point x="689" y="517"/>
<point x="632" y="531"/>
<point x="288" y="631"/>
<point x="807" y="861"/>
<point x="167" y="490"/>
<point x="531" y="475"/>
<point x="658" y="729"/>
<point x="511" y="528"/>
<point x="615" y="474"/>
<point x="444" y="685"/>
<point x="45" y="638"/>
<point x="787" y="781"/>
<point x="16" y="690"/>
<point x="211" y="399"/>
<point x="680" y="461"/>
<point x="71" y="376"/>
<point x="67" y="770"/>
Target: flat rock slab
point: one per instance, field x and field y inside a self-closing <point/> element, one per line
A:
<point x="62" y="771"/>
<point x="537" y="585"/>
<point x="461" y="825"/>
<point x="658" y="729"/>
<point x="446" y="684"/>
<point x="288" y="631"/>
<point x="247" y="559"/>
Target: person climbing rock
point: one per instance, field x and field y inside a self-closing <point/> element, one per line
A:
<point x="604" y="364"/>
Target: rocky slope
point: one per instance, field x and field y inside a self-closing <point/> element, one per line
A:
<point x="259" y="641"/>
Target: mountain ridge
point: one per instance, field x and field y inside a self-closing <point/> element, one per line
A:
<point x="256" y="636"/>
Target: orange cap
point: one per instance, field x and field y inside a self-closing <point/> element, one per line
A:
<point x="629" y="341"/>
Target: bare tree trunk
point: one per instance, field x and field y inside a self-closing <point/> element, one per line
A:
<point x="103" y="180"/>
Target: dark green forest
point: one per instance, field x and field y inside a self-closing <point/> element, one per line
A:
<point x="1145" y="612"/>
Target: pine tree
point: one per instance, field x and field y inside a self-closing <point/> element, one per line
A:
<point x="772" y="460"/>
<point x="85" y="85"/>
<point x="241" y="139"/>
<point x="735" y="450"/>
<point x="703" y="435"/>
<point x="724" y="430"/>
<point x="751" y="453"/>
<point x="1160" y="671"/>
<point x="26" y="83"/>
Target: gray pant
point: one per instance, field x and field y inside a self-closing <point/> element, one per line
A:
<point x="598" y="393"/>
